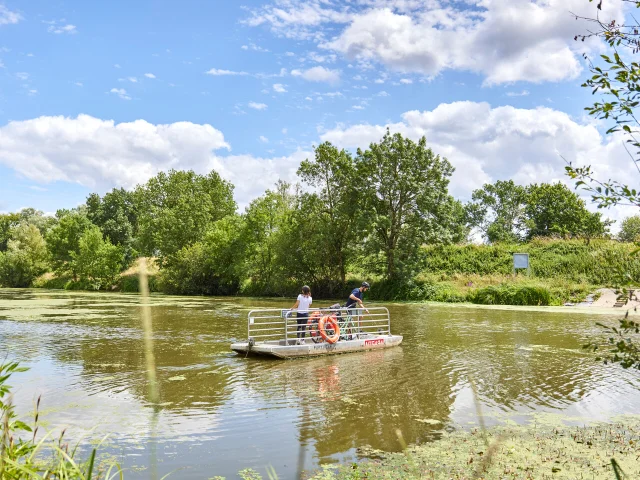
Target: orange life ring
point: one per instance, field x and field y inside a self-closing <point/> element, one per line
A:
<point x="329" y="323"/>
<point x="312" y="326"/>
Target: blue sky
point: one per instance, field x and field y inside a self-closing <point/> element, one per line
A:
<point x="101" y="94"/>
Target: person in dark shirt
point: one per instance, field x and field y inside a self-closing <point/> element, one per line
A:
<point x="355" y="298"/>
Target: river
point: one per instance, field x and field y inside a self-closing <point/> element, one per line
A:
<point x="220" y="412"/>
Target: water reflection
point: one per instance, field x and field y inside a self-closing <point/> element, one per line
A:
<point x="220" y="412"/>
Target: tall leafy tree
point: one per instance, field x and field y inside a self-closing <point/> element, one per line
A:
<point x="64" y="238"/>
<point x="26" y="257"/>
<point x="336" y="204"/>
<point x="266" y="220"/>
<point x="554" y="210"/>
<point x="498" y="211"/>
<point x="97" y="261"/>
<point x="630" y="229"/>
<point x="176" y="209"/>
<point x="7" y="222"/>
<point x="116" y="216"/>
<point x="36" y="217"/>
<point x="213" y="266"/>
<point x="405" y="190"/>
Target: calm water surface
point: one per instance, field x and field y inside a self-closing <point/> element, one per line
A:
<point x="221" y="412"/>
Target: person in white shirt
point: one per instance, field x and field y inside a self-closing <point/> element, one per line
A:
<point x="302" y="304"/>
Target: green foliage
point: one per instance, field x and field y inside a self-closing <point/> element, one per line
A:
<point x="22" y="457"/>
<point x="630" y="229"/>
<point x="336" y="207"/>
<point x="8" y="221"/>
<point x="115" y="214"/>
<point x="97" y="262"/>
<point x="414" y="290"/>
<point x="498" y="211"/>
<point x="267" y="244"/>
<point x="176" y="209"/>
<point x="509" y="294"/>
<point x="404" y="187"/>
<point x="64" y="238"/>
<point x="601" y="262"/>
<point x="25" y="259"/>
<point x="210" y="267"/>
<point x="554" y="210"/>
<point x="622" y="345"/>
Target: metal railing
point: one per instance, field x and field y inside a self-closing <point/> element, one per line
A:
<point x="275" y="325"/>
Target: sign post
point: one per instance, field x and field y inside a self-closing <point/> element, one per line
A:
<point x="521" y="260"/>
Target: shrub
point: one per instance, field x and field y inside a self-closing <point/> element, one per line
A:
<point x="509" y="294"/>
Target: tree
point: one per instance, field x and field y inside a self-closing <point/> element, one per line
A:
<point x="64" y="239"/>
<point x="266" y="219"/>
<point x="8" y="221"/>
<point x="554" y="210"/>
<point x="97" y="261"/>
<point x="36" y="217"/>
<point x="333" y="174"/>
<point x="26" y="257"/>
<point x="498" y="211"/>
<point x="405" y="192"/>
<point x="617" y="81"/>
<point x="176" y="209"/>
<point x="116" y="216"/>
<point x="213" y="266"/>
<point x="630" y="229"/>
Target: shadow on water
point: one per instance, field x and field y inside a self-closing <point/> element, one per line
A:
<point x="218" y="412"/>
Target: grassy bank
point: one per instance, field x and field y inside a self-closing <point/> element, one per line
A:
<point x="513" y="452"/>
<point x="561" y="271"/>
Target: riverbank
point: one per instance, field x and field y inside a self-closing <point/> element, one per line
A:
<point x="562" y="272"/>
<point x="512" y="452"/>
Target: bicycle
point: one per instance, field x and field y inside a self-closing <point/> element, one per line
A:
<point x="347" y="324"/>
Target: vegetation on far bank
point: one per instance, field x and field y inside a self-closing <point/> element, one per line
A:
<point x="384" y="215"/>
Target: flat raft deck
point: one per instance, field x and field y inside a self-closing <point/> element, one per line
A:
<point x="290" y="349"/>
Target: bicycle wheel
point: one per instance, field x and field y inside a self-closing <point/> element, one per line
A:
<point x="312" y="327"/>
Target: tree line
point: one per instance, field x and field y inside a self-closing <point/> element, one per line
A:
<point x="367" y="214"/>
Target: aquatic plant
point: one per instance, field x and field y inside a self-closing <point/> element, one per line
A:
<point x="23" y="456"/>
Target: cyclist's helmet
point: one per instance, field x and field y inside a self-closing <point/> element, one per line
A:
<point x="365" y="285"/>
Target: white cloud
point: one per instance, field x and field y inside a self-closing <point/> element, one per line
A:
<point x="358" y="107"/>
<point x="117" y="66"/>
<point x="32" y="92"/>
<point x="218" y="72"/>
<point x="487" y="144"/>
<point x="132" y="79"/>
<point x="382" y="94"/>
<point x="22" y="75"/>
<point x="254" y="47"/>
<point x="318" y="74"/>
<point x="149" y="75"/>
<point x="290" y="54"/>
<point x="59" y="29"/>
<point x="297" y="19"/>
<point x="102" y="154"/>
<point x="121" y="92"/>
<point x="284" y="131"/>
<point x="78" y="84"/>
<point x="7" y="17"/>
<point x="278" y="87"/>
<point x="523" y="93"/>
<point x="263" y="139"/>
<point x="502" y="40"/>
<point x="406" y="81"/>
<point x="257" y="106"/>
